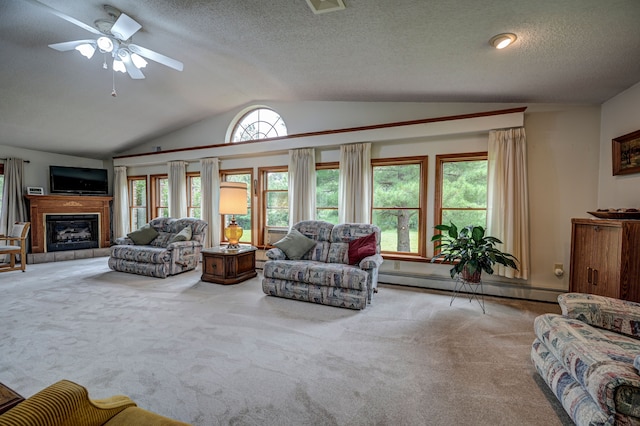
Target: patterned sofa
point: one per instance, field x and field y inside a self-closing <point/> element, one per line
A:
<point x="160" y="257"/>
<point x="323" y="274"/>
<point x="590" y="358"/>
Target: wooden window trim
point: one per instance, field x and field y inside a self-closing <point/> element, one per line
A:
<point x="155" y="198"/>
<point x="262" y="200"/>
<point x="449" y="158"/>
<point x="130" y="195"/>
<point x="423" y="161"/>
<point x="328" y="166"/>
<point x="189" y="176"/>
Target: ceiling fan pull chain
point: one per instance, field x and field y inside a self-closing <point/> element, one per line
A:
<point x="113" y="76"/>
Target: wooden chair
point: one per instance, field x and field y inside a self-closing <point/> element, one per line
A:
<point x="16" y="244"/>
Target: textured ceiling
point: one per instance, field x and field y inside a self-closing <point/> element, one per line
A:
<point x="239" y="51"/>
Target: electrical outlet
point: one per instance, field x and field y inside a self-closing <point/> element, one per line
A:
<point x="558" y="269"/>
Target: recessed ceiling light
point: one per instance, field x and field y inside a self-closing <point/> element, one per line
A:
<point x="503" y="40"/>
<point x="322" y="6"/>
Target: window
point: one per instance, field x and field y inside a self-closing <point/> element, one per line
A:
<point x="137" y="201"/>
<point x="399" y="204"/>
<point x="274" y="182"/>
<point x="194" y="195"/>
<point x="259" y="123"/>
<point x="327" y="178"/>
<point x="461" y="189"/>
<point x="245" y="220"/>
<point x="160" y="196"/>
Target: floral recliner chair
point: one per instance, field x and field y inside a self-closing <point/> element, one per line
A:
<point x="324" y="273"/>
<point x="173" y="249"/>
<point x="590" y="358"/>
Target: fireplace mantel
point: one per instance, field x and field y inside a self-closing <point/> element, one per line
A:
<point x="41" y="205"/>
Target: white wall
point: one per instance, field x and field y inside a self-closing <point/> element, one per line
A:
<point x="36" y="172"/>
<point x="620" y="116"/>
<point x="562" y="150"/>
<point x="303" y="117"/>
<point x="563" y="160"/>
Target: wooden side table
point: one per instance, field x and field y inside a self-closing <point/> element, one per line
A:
<point x="8" y="398"/>
<point x="222" y="266"/>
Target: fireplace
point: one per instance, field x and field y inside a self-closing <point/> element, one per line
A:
<point x="65" y="207"/>
<point x="71" y="231"/>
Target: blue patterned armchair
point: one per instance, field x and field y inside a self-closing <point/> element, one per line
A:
<point x="324" y="274"/>
<point x="166" y="254"/>
<point x="590" y="358"/>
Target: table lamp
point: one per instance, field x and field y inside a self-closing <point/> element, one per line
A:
<point x="233" y="201"/>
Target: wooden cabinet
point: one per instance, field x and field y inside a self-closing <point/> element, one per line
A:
<point x="223" y="266"/>
<point x="605" y="258"/>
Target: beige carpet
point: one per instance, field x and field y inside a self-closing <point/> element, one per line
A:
<point x="229" y="355"/>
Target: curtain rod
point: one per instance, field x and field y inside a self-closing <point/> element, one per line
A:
<point x="5" y="159"/>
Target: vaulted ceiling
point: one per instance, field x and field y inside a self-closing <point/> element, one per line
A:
<point x="239" y="51"/>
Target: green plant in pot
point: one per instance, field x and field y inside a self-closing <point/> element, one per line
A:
<point x="470" y="251"/>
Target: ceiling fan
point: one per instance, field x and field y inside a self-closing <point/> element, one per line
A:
<point x="114" y="39"/>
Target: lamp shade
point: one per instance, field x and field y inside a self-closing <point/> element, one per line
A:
<point x="233" y="198"/>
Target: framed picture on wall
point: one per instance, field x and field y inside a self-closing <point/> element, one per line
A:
<point x="626" y="154"/>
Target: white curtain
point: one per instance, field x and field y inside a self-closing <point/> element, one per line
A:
<point x="120" y="202"/>
<point x="13" y="207"/>
<point x="177" y="189"/>
<point x="354" y="193"/>
<point x="210" y="190"/>
<point x="508" y="205"/>
<point x="302" y="185"/>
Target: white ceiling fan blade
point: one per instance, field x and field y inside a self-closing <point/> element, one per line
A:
<point x="70" y="45"/>
<point x="65" y="17"/>
<point x="157" y="57"/>
<point x="133" y="71"/>
<point x="125" y="27"/>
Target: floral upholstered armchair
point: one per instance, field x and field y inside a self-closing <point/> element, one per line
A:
<point x="166" y="246"/>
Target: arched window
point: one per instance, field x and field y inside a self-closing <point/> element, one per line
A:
<point x="258" y="123"/>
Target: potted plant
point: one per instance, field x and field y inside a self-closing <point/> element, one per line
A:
<point x="470" y="251"/>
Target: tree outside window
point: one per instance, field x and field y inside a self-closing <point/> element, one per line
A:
<point x="327" y="181"/>
<point x="194" y="192"/>
<point x="160" y="195"/>
<point x="462" y="189"/>
<point x="276" y="195"/>
<point x="137" y="201"/>
<point x="243" y="220"/>
<point x="398" y="204"/>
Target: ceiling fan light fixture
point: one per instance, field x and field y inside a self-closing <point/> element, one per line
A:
<point x="138" y="61"/>
<point x="86" y="50"/>
<point x="105" y="44"/>
<point x="118" y="65"/>
<point x="503" y="40"/>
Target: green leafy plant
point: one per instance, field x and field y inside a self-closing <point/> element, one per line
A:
<point x="469" y="250"/>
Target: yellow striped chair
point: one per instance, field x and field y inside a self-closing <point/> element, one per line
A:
<point x="67" y="404"/>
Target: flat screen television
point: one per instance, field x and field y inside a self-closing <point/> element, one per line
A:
<point x="78" y="180"/>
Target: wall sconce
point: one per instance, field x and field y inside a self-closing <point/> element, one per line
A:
<point x="233" y="201"/>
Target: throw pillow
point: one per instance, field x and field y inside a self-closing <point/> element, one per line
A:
<point x="295" y="245"/>
<point x="143" y="236"/>
<point x="184" y="235"/>
<point x="361" y="248"/>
